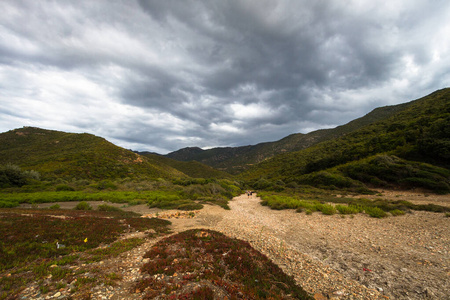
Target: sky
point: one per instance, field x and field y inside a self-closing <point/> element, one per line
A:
<point x="163" y="75"/>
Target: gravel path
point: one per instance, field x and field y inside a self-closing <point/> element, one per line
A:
<point x="271" y="232"/>
<point x="358" y="257"/>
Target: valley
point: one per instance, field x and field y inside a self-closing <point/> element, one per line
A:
<point x="331" y="257"/>
<point x="360" y="211"/>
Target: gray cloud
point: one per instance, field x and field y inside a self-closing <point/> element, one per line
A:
<point x="161" y="75"/>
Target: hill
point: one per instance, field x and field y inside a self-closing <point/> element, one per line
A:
<point x="409" y="146"/>
<point x="193" y="169"/>
<point x="237" y="159"/>
<point x="56" y="154"/>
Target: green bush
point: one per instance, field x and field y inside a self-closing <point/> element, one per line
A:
<point x="375" y="212"/>
<point x="397" y="212"/>
<point x="190" y="206"/>
<point x="83" y="205"/>
<point x="347" y="210"/>
<point x="329" y="180"/>
<point x="106" y="184"/>
<point x="13" y="176"/>
<point x="64" y="187"/>
<point x="55" y="206"/>
<point x="389" y="170"/>
<point x="262" y="184"/>
<point x="8" y="204"/>
<point x="326" y="209"/>
<point x="106" y="207"/>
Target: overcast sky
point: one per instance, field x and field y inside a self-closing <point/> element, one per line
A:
<point x="163" y="75"/>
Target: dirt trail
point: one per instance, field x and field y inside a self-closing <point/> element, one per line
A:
<point x="358" y="257"/>
<point x="404" y="257"/>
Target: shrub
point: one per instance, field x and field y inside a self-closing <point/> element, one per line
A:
<point x="347" y="210"/>
<point x="327" y="179"/>
<point x="397" y="212"/>
<point x="106" y="184"/>
<point x="375" y="212"/>
<point x="262" y="184"/>
<point x="106" y="207"/>
<point x="8" y="204"/>
<point x="83" y="205"/>
<point x="203" y="292"/>
<point x="12" y="175"/>
<point x="55" y="206"/>
<point x="389" y="170"/>
<point x="227" y="263"/>
<point x="190" y="206"/>
<point x="326" y="209"/>
<point x="64" y="187"/>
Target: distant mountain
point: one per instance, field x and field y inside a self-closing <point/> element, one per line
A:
<point x="185" y="154"/>
<point x="193" y="169"/>
<point x="237" y="159"/>
<point x="406" y="145"/>
<point x="58" y="154"/>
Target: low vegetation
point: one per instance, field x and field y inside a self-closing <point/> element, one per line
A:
<point x="329" y="205"/>
<point x="39" y="243"/>
<point x="391" y="171"/>
<point x="203" y="264"/>
<point x="13" y="176"/>
<point x="186" y="194"/>
<point x="404" y="146"/>
<point x="409" y="149"/>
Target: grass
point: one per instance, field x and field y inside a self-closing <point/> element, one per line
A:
<point x="189" y="264"/>
<point x="184" y="195"/>
<point x="377" y="208"/>
<point x="67" y="196"/>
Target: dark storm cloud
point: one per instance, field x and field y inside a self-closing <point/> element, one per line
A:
<point x="161" y="75"/>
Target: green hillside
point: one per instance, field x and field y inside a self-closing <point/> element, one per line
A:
<point x="238" y="159"/>
<point x="193" y="169"/>
<point x="411" y="147"/>
<point x="56" y="154"/>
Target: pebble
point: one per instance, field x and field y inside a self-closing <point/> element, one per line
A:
<point x="173" y="215"/>
<point x="267" y="233"/>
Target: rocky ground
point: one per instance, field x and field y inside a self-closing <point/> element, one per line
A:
<point x="331" y="257"/>
<point x="404" y="257"/>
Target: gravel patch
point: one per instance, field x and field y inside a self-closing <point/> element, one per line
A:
<point x="331" y="257"/>
<point x="404" y="257"/>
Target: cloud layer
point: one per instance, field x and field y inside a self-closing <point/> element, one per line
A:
<point x="162" y="75"/>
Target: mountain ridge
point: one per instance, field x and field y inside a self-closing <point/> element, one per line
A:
<point x="410" y="148"/>
<point x="237" y="159"/>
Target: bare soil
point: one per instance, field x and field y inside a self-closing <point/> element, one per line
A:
<point x="403" y="257"/>
<point x="331" y="257"/>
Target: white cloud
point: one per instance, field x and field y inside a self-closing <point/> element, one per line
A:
<point x="159" y="75"/>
